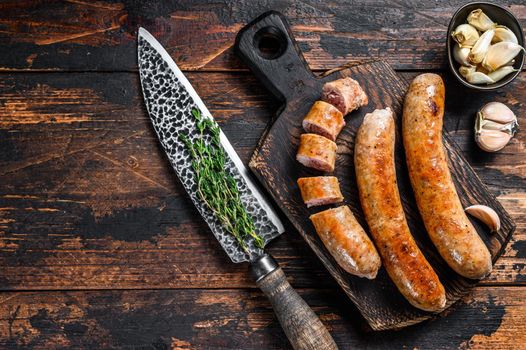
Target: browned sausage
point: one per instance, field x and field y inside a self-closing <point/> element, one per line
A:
<point x="376" y="176"/>
<point x="346" y="94"/>
<point x="320" y="190"/>
<point x="347" y="242"/>
<point x="324" y="119"/>
<point x="317" y="152"/>
<point x="448" y="226"/>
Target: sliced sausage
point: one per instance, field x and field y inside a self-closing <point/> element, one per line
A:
<point x="347" y="242"/>
<point x="346" y="94"/>
<point x="320" y="190"/>
<point x="324" y="119"/>
<point x="317" y="152"/>
<point x="448" y="226"/>
<point x="376" y="176"/>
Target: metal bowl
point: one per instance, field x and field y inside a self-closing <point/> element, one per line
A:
<point x="498" y="14"/>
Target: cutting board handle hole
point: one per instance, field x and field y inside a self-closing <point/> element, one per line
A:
<point x="270" y="42"/>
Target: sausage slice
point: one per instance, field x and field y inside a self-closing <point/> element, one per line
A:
<point x="317" y="152"/>
<point x="347" y="242"/>
<point x="346" y="94"/>
<point x="376" y="176"/>
<point x="320" y="190"/>
<point x="449" y="228"/>
<point x="324" y="119"/>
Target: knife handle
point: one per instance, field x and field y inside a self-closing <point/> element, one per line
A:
<point x="301" y="325"/>
<point x="268" y="47"/>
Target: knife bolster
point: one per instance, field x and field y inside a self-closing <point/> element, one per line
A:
<point x="262" y="266"/>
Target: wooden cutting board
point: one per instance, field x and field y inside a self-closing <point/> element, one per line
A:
<point x="269" y="49"/>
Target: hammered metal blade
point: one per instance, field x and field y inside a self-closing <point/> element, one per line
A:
<point x="169" y="99"/>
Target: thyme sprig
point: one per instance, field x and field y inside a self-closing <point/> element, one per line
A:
<point x="215" y="186"/>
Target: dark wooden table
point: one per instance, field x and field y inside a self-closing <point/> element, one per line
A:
<point x="100" y="247"/>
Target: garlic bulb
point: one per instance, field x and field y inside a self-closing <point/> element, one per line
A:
<point x="478" y="19"/>
<point x="495" y="125"/>
<point x="478" y="52"/>
<point x="501" y="73"/>
<point x="461" y="54"/>
<point x="478" y="78"/>
<point x="486" y="215"/>
<point x="500" y="54"/>
<point x="465" y="35"/>
<point x="503" y="33"/>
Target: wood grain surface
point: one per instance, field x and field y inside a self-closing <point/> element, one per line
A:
<point x="100" y="35"/>
<point x="99" y="246"/>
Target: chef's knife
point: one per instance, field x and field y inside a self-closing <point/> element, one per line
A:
<point x="170" y="99"/>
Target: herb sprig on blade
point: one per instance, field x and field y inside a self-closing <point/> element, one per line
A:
<point x="215" y="186"/>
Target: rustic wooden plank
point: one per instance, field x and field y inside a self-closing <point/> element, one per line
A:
<point x="86" y="35"/>
<point x="490" y="318"/>
<point x="88" y="200"/>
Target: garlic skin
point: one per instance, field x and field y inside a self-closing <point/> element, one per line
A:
<point x="478" y="78"/>
<point x="503" y="33"/>
<point x="501" y="73"/>
<point x="500" y="54"/>
<point x="486" y="215"/>
<point x="460" y="54"/>
<point x="478" y="19"/>
<point x="465" y="35"/>
<point x="495" y="125"/>
<point x="481" y="47"/>
<point x="492" y="140"/>
<point x="497" y="112"/>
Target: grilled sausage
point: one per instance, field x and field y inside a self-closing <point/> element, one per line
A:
<point x="324" y="119"/>
<point x="376" y="176"/>
<point x="347" y="242"/>
<point x="320" y="190"/>
<point x="316" y="152"/>
<point x="449" y="228"/>
<point x="346" y="94"/>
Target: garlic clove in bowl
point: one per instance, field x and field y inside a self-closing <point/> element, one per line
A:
<point x="478" y="19"/>
<point x="465" y="35"/>
<point x="503" y="33"/>
<point x="481" y="47"/>
<point x="500" y="54"/>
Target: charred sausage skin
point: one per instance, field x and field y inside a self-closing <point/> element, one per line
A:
<point x="317" y="152"/>
<point x="447" y="225"/>
<point x="320" y="190"/>
<point x="376" y="176"/>
<point x="347" y="242"/>
<point x="324" y="119"/>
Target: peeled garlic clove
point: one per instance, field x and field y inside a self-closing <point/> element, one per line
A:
<point x="501" y="73"/>
<point x="478" y="78"/>
<point x="492" y="140"/>
<point x="486" y="215"/>
<point x="497" y="112"/>
<point x="478" y="19"/>
<point x="503" y="33"/>
<point x="500" y="54"/>
<point x="478" y="52"/>
<point x="461" y="54"/>
<point x="465" y="35"/>
<point x="466" y="70"/>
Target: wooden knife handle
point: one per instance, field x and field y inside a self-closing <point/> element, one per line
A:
<point x="268" y="47"/>
<point x="301" y="325"/>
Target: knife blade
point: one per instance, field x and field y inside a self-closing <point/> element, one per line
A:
<point x="170" y="99"/>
